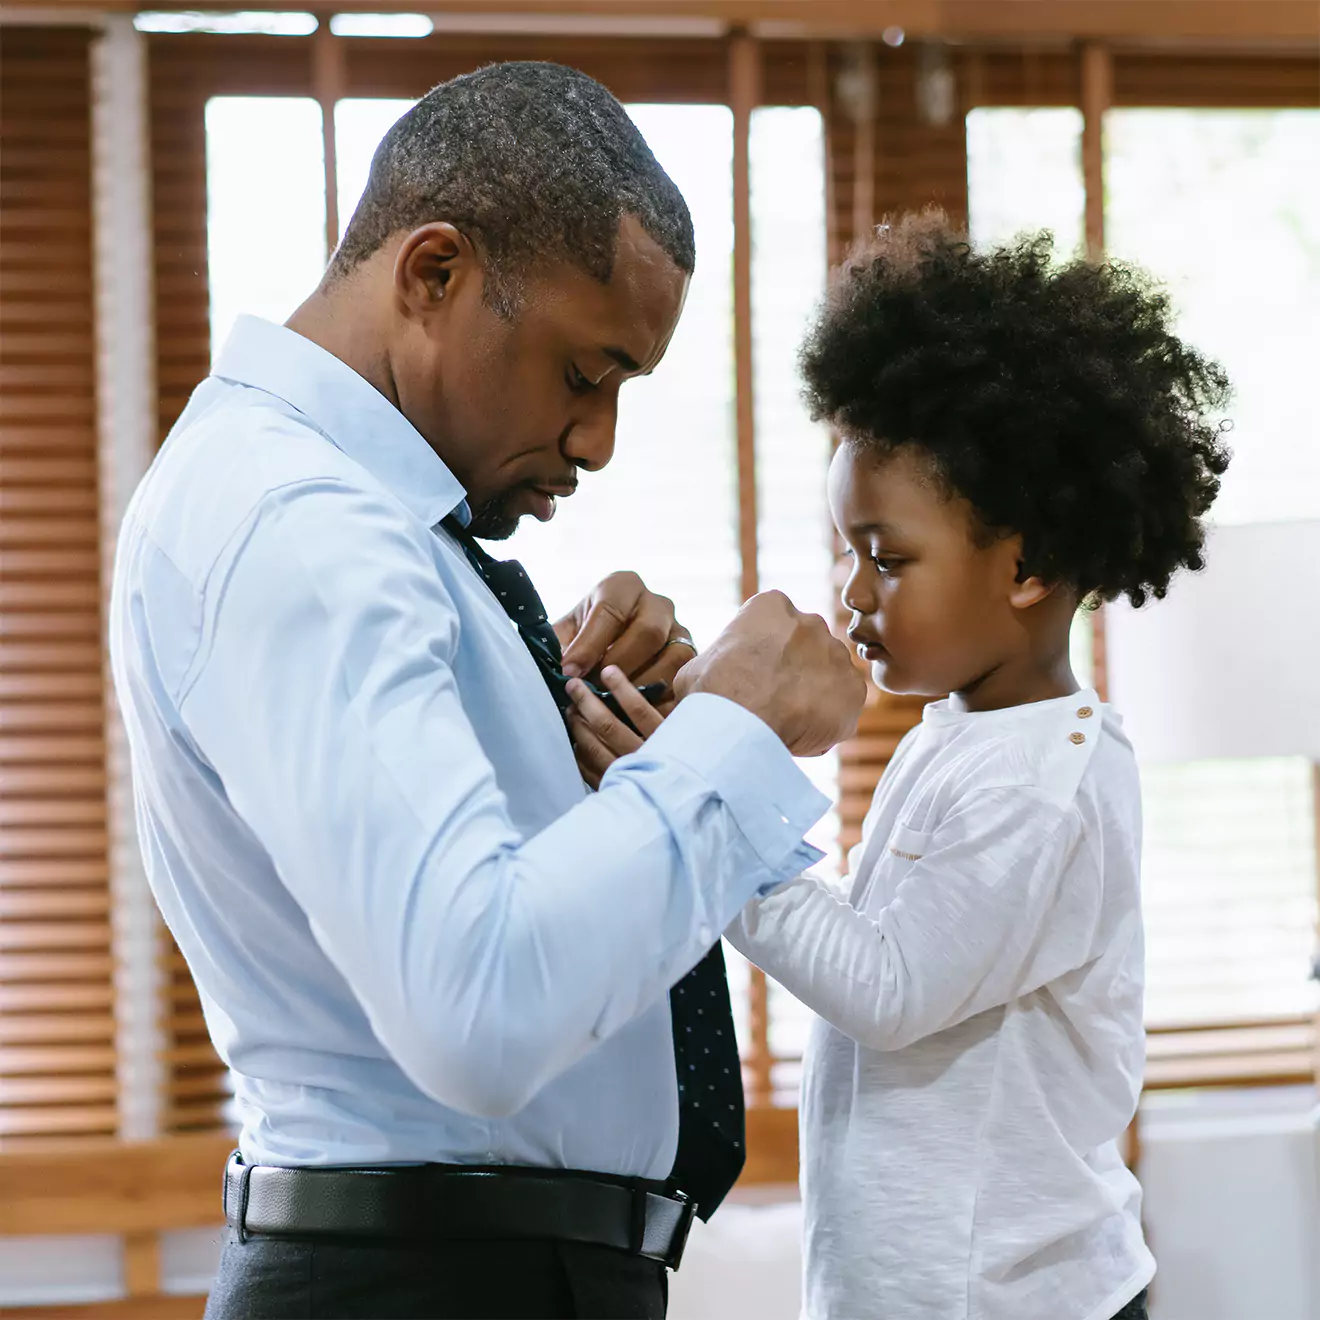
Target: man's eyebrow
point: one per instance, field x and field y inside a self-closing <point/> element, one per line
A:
<point x="625" y="360"/>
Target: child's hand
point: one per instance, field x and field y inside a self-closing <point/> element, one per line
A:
<point x="599" y="739"/>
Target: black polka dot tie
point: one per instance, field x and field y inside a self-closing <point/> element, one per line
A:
<point x="711" y="1128"/>
<point x="511" y="586"/>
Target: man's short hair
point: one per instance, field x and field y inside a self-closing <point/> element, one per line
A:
<point x="534" y="163"/>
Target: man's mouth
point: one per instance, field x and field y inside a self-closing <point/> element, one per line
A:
<point x="544" y="499"/>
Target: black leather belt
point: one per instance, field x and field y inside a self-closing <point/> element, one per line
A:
<point x="434" y="1201"/>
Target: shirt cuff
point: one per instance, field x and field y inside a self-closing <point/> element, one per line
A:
<point x="748" y="766"/>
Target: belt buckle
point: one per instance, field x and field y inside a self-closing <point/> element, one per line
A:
<point x="675" y="1257"/>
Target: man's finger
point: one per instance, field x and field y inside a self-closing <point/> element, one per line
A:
<point x="601" y="723"/>
<point x="640" y="645"/>
<point x="645" y="718"/>
<point x="664" y="668"/>
<point x="613" y="604"/>
<point x="593" y="757"/>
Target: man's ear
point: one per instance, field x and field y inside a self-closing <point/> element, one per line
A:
<point x="431" y="266"/>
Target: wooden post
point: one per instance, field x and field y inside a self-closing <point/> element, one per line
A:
<point x="864" y="112"/>
<point x="142" y="1264"/>
<point x="818" y="94"/>
<point x="744" y="96"/>
<point x="1097" y="80"/>
<point x="328" y="83"/>
<point x="1097" y="94"/>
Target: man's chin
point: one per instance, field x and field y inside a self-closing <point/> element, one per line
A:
<point x="495" y="521"/>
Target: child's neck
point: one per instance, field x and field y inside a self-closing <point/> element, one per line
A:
<point x="1021" y="682"/>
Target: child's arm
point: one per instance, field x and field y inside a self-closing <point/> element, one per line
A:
<point x="1004" y="898"/>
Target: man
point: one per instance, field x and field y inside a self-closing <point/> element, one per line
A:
<point x="437" y="965"/>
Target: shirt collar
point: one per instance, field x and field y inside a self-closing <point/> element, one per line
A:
<point x="952" y="710"/>
<point x="351" y="413"/>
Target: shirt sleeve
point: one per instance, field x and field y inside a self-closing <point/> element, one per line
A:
<point x="323" y="697"/>
<point x="1004" y="898"/>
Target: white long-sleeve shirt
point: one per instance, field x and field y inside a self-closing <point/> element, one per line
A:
<point x="980" y="1047"/>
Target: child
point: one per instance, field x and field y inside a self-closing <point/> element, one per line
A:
<point x="1017" y="440"/>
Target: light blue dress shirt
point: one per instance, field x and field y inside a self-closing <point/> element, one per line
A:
<point x="416" y="935"/>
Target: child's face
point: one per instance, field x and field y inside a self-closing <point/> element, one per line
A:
<point x="934" y="611"/>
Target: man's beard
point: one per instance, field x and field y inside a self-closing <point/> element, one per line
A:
<point x="496" y="520"/>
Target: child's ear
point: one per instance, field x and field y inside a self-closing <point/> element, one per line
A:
<point x="1027" y="589"/>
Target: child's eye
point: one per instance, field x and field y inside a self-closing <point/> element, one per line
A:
<point x="577" y="382"/>
<point x="887" y="564"/>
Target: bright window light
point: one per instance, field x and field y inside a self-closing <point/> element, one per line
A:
<point x="381" y="25"/>
<point x="1024" y="173"/>
<point x="1224" y="207"/>
<point x="360" y="123"/>
<point x="667" y="504"/>
<point x="194" y="20"/>
<point x="265" y="185"/>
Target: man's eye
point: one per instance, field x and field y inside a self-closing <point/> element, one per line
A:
<point x="579" y="383"/>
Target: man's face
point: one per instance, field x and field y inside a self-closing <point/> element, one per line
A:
<point x="517" y="407"/>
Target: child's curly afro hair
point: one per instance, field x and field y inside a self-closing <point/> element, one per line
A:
<point x="1056" y="399"/>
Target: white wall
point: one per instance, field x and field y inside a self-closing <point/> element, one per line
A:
<point x="1231" y="1204"/>
<point x="1226" y="665"/>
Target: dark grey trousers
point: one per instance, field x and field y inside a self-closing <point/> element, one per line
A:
<point x="274" y="1279"/>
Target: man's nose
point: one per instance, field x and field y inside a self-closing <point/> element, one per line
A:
<point x="590" y="440"/>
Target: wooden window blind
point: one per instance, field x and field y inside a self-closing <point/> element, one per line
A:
<point x="57" y="1030"/>
<point x="883" y="155"/>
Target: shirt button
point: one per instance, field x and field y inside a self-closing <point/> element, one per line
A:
<point x="704" y="934"/>
<point x="1085" y="713"/>
<point x="1078" y="738"/>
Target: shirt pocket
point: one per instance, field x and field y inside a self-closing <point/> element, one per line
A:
<point x="902" y="850"/>
<point x="906" y="845"/>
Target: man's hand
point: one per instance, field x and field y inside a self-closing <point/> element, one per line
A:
<point x="621" y="623"/>
<point x="786" y="668"/>
<point x="599" y="738"/>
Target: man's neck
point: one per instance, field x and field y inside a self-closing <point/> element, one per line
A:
<point x="340" y="317"/>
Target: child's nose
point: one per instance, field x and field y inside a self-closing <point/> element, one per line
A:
<point x="855" y="594"/>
